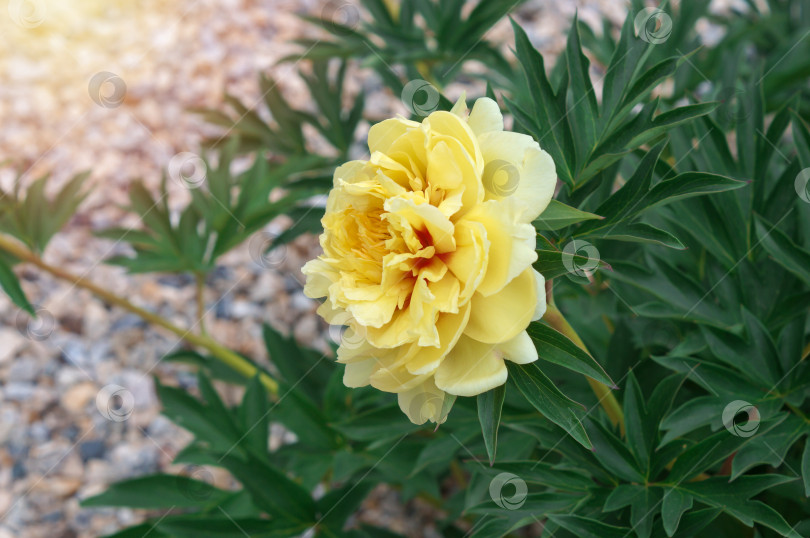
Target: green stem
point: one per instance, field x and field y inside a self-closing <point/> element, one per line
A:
<point x="228" y="357"/>
<point x="603" y="393"/>
<point x="200" y="293"/>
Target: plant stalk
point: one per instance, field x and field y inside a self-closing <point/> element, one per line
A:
<point x="228" y="357"/>
<point x="603" y="393"/>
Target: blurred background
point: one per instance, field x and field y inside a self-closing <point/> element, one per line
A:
<point x="110" y="86"/>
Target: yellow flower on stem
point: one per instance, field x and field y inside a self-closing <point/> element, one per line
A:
<point x="427" y="257"/>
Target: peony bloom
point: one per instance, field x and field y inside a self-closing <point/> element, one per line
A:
<point x="427" y="257"/>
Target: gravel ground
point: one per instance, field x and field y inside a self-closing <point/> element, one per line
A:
<point x="56" y="445"/>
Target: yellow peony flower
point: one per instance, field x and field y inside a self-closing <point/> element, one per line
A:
<point x="427" y="257"/>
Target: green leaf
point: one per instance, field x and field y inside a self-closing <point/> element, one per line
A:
<point x="783" y="250"/>
<point x="201" y="420"/>
<point x="613" y="454"/>
<point x="675" y="503"/>
<point x="688" y="184"/>
<point x="490" y="404"/>
<point x="734" y="501"/>
<point x="225" y="525"/>
<point x="546" y="474"/>
<point x="639" y="428"/>
<point x="553" y="346"/>
<point x="639" y="232"/>
<point x="584" y="527"/>
<point x="10" y="284"/>
<point x="806" y="466"/>
<point x="769" y="449"/>
<point x="254" y="416"/>
<point x="272" y="490"/>
<point x="558" y="215"/>
<point x="544" y="395"/>
<point x="159" y="491"/>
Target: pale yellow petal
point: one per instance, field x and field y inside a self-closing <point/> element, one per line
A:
<point x="460" y="108"/>
<point x="533" y="176"/>
<point x="382" y="135"/>
<point x="424" y="403"/>
<point x="540" y="310"/>
<point x="511" y="243"/>
<point x="500" y="317"/>
<point x="357" y="373"/>
<point x="470" y="368"/>
<point x="520" y="349"/>
<point x="485" y="117"/>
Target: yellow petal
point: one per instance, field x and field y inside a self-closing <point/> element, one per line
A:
<point x="532" y="169"/>
<point x="357" y="373"/>
<point x="511" y="243"/>
<point x="460" y="108"/>
<point x="540" y="310"/>
<point x="424" y="402"/>
<point x="501" y="316"/>
<point x="469" y="261"/>
<point x="382" y="135"/>
<point x="520" y="349"/>
<point x="470" y="369"/>
<point x="425" y="360"/>
<point x="485" y="116"/>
